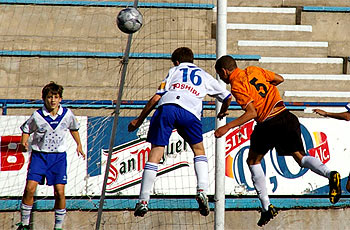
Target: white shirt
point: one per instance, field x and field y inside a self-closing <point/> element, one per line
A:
<point x="49" y="132"/>
<point x="186" y="85"/>
<point x="348" y="107"/>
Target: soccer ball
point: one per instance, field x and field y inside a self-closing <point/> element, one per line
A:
<point x="129" y="20"/>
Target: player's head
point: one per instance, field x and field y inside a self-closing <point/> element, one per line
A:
<point x="224" y="66"/>
<point x="52" y="88"/>
<point x="182" y="54"/>
<point x="52" y="96"/>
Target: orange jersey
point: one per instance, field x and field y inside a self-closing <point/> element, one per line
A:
<point x="252" y="85"/>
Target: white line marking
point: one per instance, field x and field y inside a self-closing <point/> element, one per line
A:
<point x="301" y="28"/>
<point x="332" y="77"/>
<point x="282" y="43"/>
<point x="301" y="60"/>
<point x="316" y="94"/>
<point x="259" y="10"/>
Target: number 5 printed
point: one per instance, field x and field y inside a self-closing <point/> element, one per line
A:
<point x="258" y="86"/>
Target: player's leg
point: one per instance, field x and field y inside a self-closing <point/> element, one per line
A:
<point x="190" y="129"/>
<point x="312" y="163"/>
<point x="159" y="132"/>
<point x="292" y="143"/>
<point x="56" y="176"/>
<point x="268" y="211"/>
<point x="60" y="205"/>
<point x="261" y="141"/>
<point x="148" y="177"/>
<point x="201" y="167"/>
<point x="202" y="173"/>
<point x="36" y="175"/>
<point x="315" y="165"/>
<point x="27" y="204"/>
<point x="258" y="178"/>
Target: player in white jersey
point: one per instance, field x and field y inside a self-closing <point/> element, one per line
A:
<point x="340" y="116"/>
<point x="179" y="99"/>
<point x="48" y="127"/>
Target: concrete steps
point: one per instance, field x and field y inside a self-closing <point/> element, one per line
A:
<point x="315" y="87"/>
<point x="263" y="15"/>
<point x="283" y="48"/>
<point x="268" y="32"/>
<point x="102" y="44"/>
<point x="302" y="65"/>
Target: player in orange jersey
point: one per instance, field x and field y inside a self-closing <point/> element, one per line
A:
<point x="255" y="91"/>
<point x="340" y="116"/>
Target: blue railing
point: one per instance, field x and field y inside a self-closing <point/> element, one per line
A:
<point x="335" y="9"/>
<point x="110" y="4"/>
<point x="82" y="54"/>
<point x="131" y="104"/>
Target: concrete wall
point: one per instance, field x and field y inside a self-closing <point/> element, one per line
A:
<point x="93" y="29"/>
<point x="305" y="219"/>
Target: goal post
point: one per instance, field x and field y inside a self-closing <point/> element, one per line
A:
<point x="221" y="49"/>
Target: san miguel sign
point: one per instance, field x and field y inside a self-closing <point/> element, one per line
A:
<point x="128" y="162"/>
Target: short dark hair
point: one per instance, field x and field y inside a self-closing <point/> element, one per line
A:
<point x="182" y="54"/>
<point x="226" y="62"/>
<point x="53" y="88"/>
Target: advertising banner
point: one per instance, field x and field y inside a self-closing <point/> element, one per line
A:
<point x="325" y="139"/>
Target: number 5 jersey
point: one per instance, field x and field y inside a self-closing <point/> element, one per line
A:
<point x="252" y="85"/>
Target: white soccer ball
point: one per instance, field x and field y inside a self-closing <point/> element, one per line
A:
<point x="129" y="20"/>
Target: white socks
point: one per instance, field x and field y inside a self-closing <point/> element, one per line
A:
<point x="259" y="183"/>
<point x="25" y="213"/>
<point x="26" y="210"/>
<point x="150" y="173"/>
<point x="59" y="217"/>
<point x="315" y="165"/>
<point x="202" y="173"/>
<point x="148" y="178"/>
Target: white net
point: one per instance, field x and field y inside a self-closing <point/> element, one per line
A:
<point x="78" y="45"/>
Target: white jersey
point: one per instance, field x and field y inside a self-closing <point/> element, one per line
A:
<point x="186" y="85"/>
<point x="49" y="132"/>
<point x="348" y="107"/>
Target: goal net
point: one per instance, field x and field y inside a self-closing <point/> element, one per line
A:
<point x="78" y="45"/>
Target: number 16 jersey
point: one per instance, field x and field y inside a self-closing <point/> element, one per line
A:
<point x="186" y="85"/>
<point x="252" y="85"/>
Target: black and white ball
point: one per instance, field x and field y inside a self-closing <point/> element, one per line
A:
<point x="129" y="20"/>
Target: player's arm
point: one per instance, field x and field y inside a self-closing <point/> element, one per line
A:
<point x="24" y="142"/>
<point x="339" y="116"/>
<point x="278" y="79"/>
<point x="250" y="113"/>
<point x="134" y="124"/>
<point x="224" y="107"/>
<point x="76" y="137"/>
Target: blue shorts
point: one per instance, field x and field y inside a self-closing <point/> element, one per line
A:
<point x="49" y="166"/>
<point x="170" y="116"/>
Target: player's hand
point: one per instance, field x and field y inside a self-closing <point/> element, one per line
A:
<point x="222" y="115"/>
<point x="24" y="147"/>
<point x="320" y="112"/>
<point x="221" y="131"/>
<point x="80" y="151"/>
<point x="134" y="124"/>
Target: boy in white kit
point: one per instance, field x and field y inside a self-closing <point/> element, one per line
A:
<point x="48" y="127"/>
<point x="179" y="99"/>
